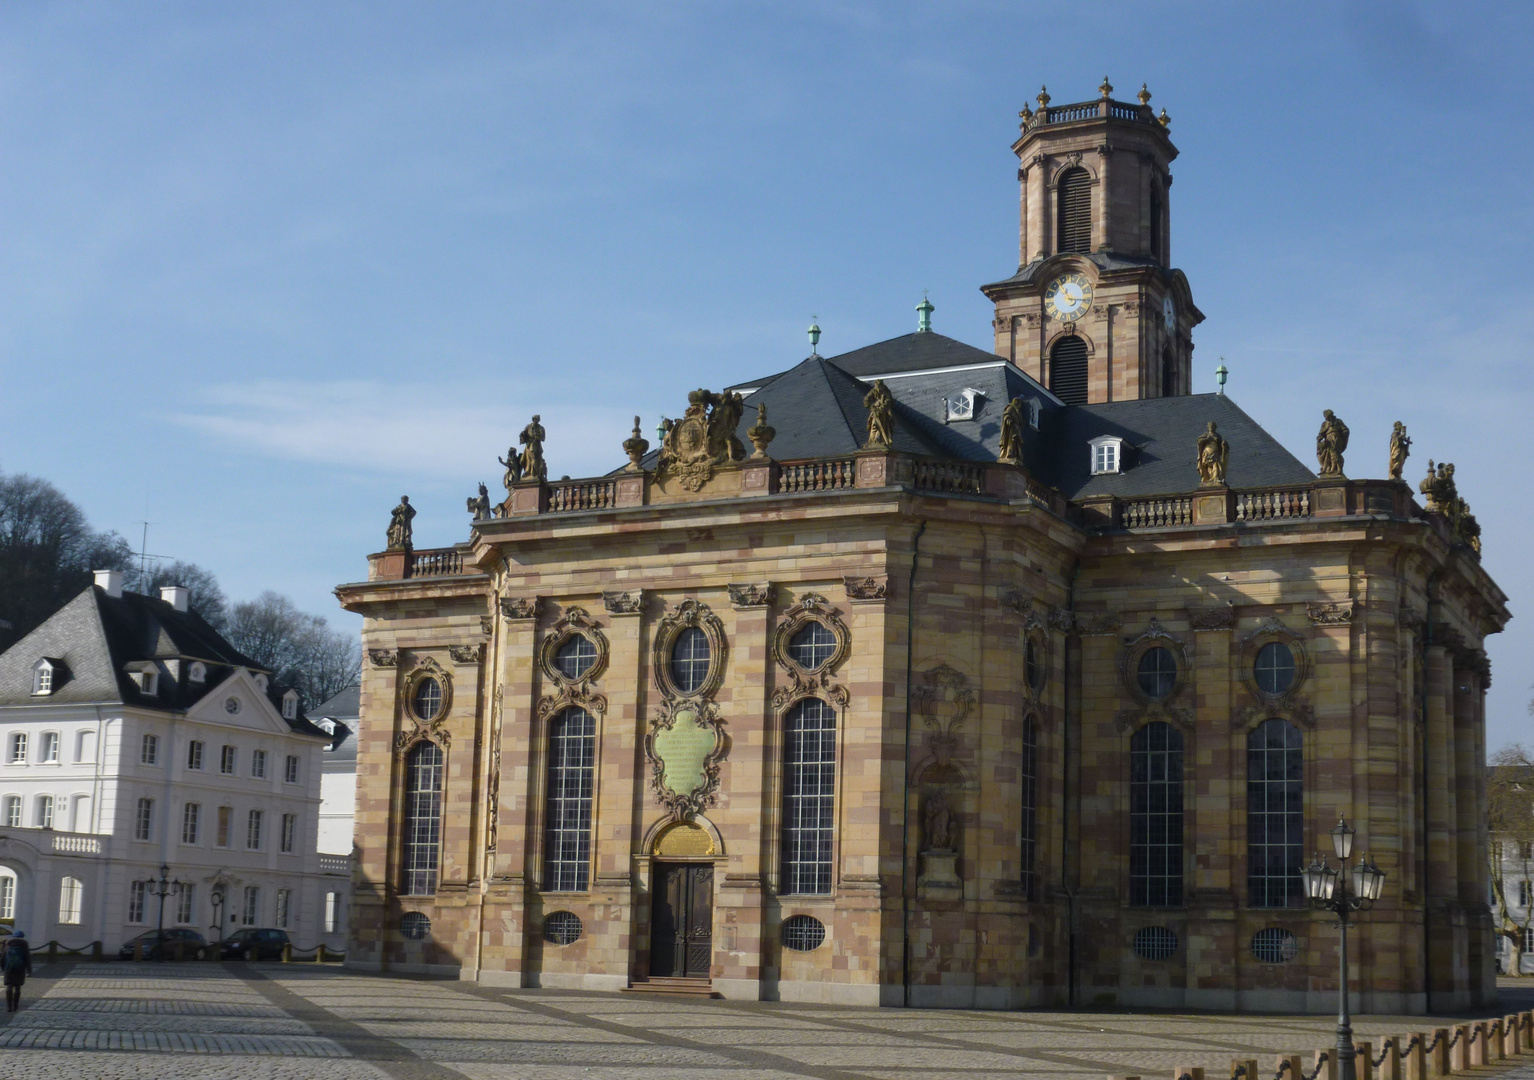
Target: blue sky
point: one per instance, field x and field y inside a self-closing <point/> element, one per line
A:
<point x="265" y="267"/>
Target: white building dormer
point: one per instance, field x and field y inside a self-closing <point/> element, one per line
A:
<point x="46" y="676"/>
<point x="1107" y="454"/>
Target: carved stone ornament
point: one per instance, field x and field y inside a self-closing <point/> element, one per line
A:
<point x="1063" y="620"/>
<point x="750" y="595"/>
<point x="486" y="625"/>
<point x="1291" y="703"/>
<point x="1155" y="636"/>
<point x="1031" y="319"/>
<point x="1215" y="618"/>
<point x="1132" y="309"/>
<point x="519" y="607"/>
<point x="493" y="784"/>
<point x="943" y="701"/>
<point x="467" y="654"/>
<point x="574" y="622"/>
<point x="684" y="746"/>
<point x="1410" y="618"/>
<point x="1002" y="323"/>
<point x="806" y="682"/>
<point x="578" y="695"/>
<point x="624" y="603"/>
<point x="1017" y="602"/>
<point x="383" y="657"/>
<point x="863" y="589"/>
<point x="702" y="439"/>
<point x="431" y="728"/>
<point x="1098" y="624"/>
<point x="689" y="613"/>
<point x="1336" y="613"/>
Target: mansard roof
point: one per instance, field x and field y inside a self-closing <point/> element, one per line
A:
<point x="924" y="350"/>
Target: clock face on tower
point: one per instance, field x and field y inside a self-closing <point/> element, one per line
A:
<point x="1168" y="313"/>
<point x="1068" y="297"/>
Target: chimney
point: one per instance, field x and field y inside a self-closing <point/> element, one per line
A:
<point x="175" y="596"/>
<point x="110" y="582"/>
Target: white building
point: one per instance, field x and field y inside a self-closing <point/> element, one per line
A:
<point x="132" y="735"/>
<point x="1517" y="900"/>
<point x="338" y="782"/>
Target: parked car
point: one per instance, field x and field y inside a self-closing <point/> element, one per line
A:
<point x="253" y="944"/>
<point x="174" y="944"/>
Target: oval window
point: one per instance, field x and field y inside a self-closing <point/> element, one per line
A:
<point x="1155" y="943"/>
<point x="689" y="660"/>
<point x="414" y="925"/>
<point x="1157" y="673"/>
<point x="1274" y="668"/>
<point x="803" y="933"/>
<point x="1033" y="665"/>
<point x="575" y="656"/>
<point x="428" y="698"/>
<point x="562" y="928"/>
<point x="812" y="646"/>
<point x="1275" y="945"/>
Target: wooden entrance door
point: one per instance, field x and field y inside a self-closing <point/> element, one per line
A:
<point x="682" y="926"/>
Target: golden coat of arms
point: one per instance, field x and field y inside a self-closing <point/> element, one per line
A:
<point x="703" y="438"/>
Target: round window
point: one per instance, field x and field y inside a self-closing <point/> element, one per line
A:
<point x="428" y="698"/>
<point x="1033" y="664"/>
<point x="231" y="705"/>
<point x="689" y="660"/>
<point x="415" y="925"/>
<point x="802" y="933"/>
<point x="1274" y="945"/>
<point x="575" y="656"/>
<point x="812" y="646"/>
<point x="1274" y="668"/>
<point x="1155" y="943"/>
<point x="1157" y="673"/>
<point x="562" y="928"/>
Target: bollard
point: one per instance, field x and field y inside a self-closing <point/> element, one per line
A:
<point x="1526" y="1030"/>
<point x="1291" y="1062"/>
<point x="1325" y="1066"/>
<point x="1477" y="1055"/>
<point x="1247" y="1068"/>
<point x="319" y="958"/>
<point x="1492" y="1042"/>
<point x="287" y="953"/>
<point x="138" y="951"/>
<point x="1187" y="1072"/>
<point x="1390" y="1068"/>
<point x="1510" y="1047"/>
<point x="53" y="952"/>
<point x="1363" y="1060"/>
<point x="1441" y="1037"/>
<point x="96" y="951"/>
<point x="1459" y="1053"/>
<point x="1416" y="1057"/>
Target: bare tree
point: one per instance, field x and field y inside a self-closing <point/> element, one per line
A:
<point x="1510" y="823"/>
<point x="301" y="650"/>
<point x="205" y="596"/>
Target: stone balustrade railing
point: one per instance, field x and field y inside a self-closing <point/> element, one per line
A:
<point x="1158" y="513"/>
<point x="76" y="844"/>
<point x="573" y="496"/>
<point x="335" y="864"/>
<point x="831" y="475"/>
<point x="1088" y="110"/>
<point x="1267" y="505"/>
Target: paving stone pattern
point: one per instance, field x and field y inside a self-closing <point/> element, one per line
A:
<point x="121" y="1021"/>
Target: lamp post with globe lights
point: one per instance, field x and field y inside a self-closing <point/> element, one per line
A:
<point x="165" y="886"/>
<point x="1328" y="891"/>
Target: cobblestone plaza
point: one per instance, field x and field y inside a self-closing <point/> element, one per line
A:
<point x="117" y="1021"/>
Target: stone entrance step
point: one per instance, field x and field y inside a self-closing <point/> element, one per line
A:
<point x="690" y="987"/>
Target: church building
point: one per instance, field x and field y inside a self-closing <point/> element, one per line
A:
<point x="924" y="675"/>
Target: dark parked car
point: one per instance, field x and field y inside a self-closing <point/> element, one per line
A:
<point x="176" y="944"/>
<point x="251" y="944"/>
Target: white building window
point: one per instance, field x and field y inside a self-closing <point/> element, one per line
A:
<point x="143" y="821"/>
<point x="191" y="818"/>
<point x="13" y="811"/>
<point x="45" y="811"/>
<point x="289" y="832"/>
<point x="16" y="754"/>
<point x="290" y="705"/>
<point x="253" y="830"/>
<point x="149" y="753"/>
<point x="1523" y="894"/>
<point x="284" y="898"/>
<point x="225" y="826"/>
<point x="252" y="910"/>
<point x="85" y="746"/>
<point x="137" y="891"/>
<point x="332" y="912"/>
<point x="1107" y="454"/>
<point x="69" y="900"/>
<point x="50" y="747"/>
<point x="7" y="895"/>
<point x="290" y="770"/>
<point x="194" y="754"/>
<point x="42" y="678"/>
<point x="226" y="761"/>
<point x="80" y="813"/>
<point x="258" y="764"/>
<point x="186" y="904"/>
<point x="198" y="672"/>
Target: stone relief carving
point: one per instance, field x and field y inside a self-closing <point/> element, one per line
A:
<point x="1331" y="442"/>
<point x="1400" y="449"/>
<point x="1098" y="624"/>
<point x="880" y="404"/>
<point x="1335" y="613"/>
<point x="1002" y="322"/>
<point x="624" y="603"/>
<point x="432" y="729"/>
<point x="750" y="595"/>
<point x="574" y="621"/>
<point x="1017" y="602"/>
<point x="383" y="657"/>
<point x="486" y="625"/>
<point x="1031" y="320"/>
<point x="702" y="439"/>
<point x="1410" y="618"/>
<point x="467" y="654"/>
<point x="685" y="745"/>
<point x="866" y="588"/>
<point x="804" y="682"/>
<point x="1063" y="620"/>
<point x="943" y="701"/>
<point x="1215" y="618"/>
<point x="493" y="785"/>
<point x="937" y="824"/>
<point x="519" y="607"/>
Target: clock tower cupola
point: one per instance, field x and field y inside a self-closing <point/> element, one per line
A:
<point x="1095" y="312"/>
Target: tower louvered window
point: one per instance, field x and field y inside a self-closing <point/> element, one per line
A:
<point x="1068" y="370"/>
<point x="1075" y="201"/>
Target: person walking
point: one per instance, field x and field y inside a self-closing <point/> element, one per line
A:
<point x="16" y="963"/>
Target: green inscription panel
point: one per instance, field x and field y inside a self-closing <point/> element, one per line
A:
<point x="682" y="749"/>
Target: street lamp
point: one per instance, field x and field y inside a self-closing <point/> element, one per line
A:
<point x="162" y="888"/>
<point x="1328" y="891"/>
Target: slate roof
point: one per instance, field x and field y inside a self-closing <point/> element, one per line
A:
<point x="343" y="710"/>
<point x="922" y="351"/>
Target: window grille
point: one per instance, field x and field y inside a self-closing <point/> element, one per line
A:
<point x="1157" y="672"/>
<point x="803" y="933"/>
<point x="280" y="917"/>
<point x="1275" y="823"/>
<point x="567" y="802"/>
<point x="194" y="754"/>
<point x="50" y="748"/>
<point x="428" y="699"/>
<point x="415" y="925"/>
<point x="1068" y="370"/>
<point x="186" y="904"/>
<point x="1275" y="946"/>
<point x="576" y="656"/>
<point x="562" y="928"/>
<point x="252" y="912"/>
<point x="45" y="811"/>
<point x="1075" y="202"/>
<point x="1274" y="669"/>
<point x="226" y="761"/>
<point x="144" y="820"/>
<point x="18" y="754"/>
<point x="1155" y="816"/>
<point x="289" y="832"/>
<point x="136" y="894"/>
<point x="290" y="770"/>
<point x="150" y="753"/>
<point x="689" y="660"/>
<point x="1155" y="943"/>
<point x="258" y="764"/>
<point x="1028" y="776"/>
<point x="253" y="830"/>
<point x="423" y="819"/>
<point x="809" y="795"/>
<point x="191" y="814"/>
<point x="812" y="646"/>
<point x="70" y="890"/>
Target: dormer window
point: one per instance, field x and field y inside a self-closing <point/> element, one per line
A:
<point x="961" y="405"/>
<point x="1107" y="454"/>
<point x="290" y="705"/>
<point x="261" y="683"/>
<point x="198" y="672"/>
<point x="145" y="676"/>
<point x="43" y="677"/>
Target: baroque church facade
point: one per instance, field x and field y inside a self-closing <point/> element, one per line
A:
<point x="925" y="675"/>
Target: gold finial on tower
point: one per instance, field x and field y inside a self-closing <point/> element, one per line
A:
<point x="1144" y="95"/>
<point x="1106" y="89"/>
<point x="1043" y="97"/>
<point x="1164" y="120"/>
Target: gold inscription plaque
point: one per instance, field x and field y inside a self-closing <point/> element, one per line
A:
<point x="685" y="839"/>
<point x="684" y="748"/>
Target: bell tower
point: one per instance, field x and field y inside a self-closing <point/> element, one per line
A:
<point x="1095" y="312"/>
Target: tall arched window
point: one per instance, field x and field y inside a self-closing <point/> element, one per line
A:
<point x="1028" y="783"/>
<point x="1155" y="816"/>
<point x="70" y="891"/>
<point x="1075" y="203"/>
<point x="809" y="795"/>
<point x="1168" y="374"/>
<point x="1275" y="823"/>
<point x="567" y="802"/>
<point x="1068" y="370"/>
<point x="423" y="819"/>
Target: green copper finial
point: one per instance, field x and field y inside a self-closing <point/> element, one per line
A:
<point x="1221" y="373"/>
<point x="814" y="334"/>
<point x="660" y="430"/>
<point x="924" y="312"/>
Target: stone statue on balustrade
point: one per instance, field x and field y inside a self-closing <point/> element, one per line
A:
<point x="479" y="505"/>
<point x="513" y="463"/>
<point x="533" y="465"/>
<point x="880" y="404"/>
<point x="1213" y="457"/>
<point x="723" y="419"/>
<point x="1011" y="450"/>
<point x="399" y="525"/>
<point x="1331" y="443"/>
<point x="1400" y="449"/>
